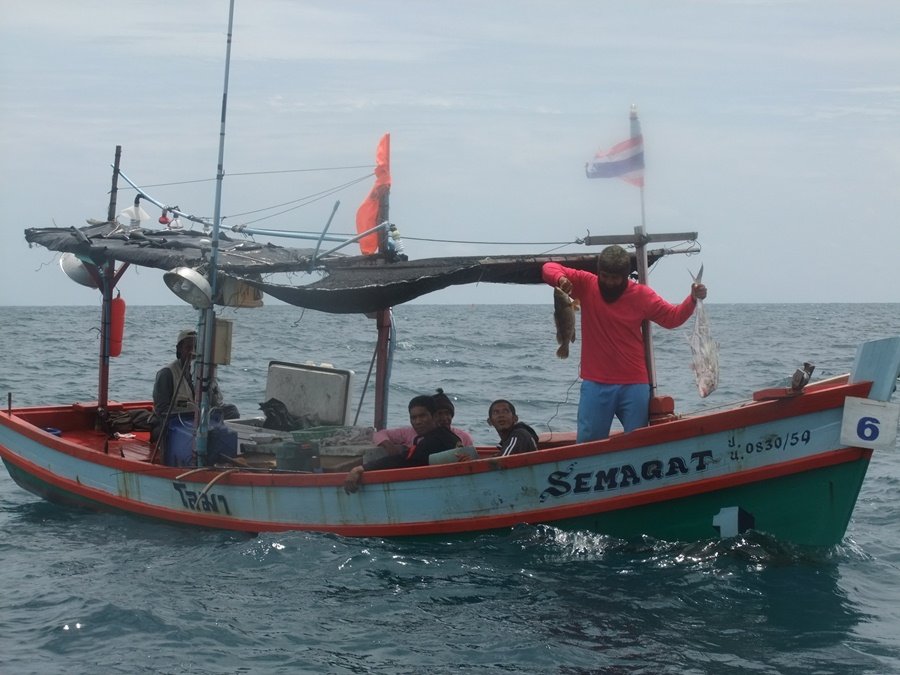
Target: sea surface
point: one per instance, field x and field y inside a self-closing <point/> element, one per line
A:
<point x="84" y="592"/>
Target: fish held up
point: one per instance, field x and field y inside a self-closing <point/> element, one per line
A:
<point x="564" y="308"/>
<point x="704" y="350"/>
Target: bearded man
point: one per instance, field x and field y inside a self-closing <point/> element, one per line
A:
<point x="615" y="381"/>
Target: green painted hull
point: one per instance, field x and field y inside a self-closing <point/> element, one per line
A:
<point x="812" y="508"/>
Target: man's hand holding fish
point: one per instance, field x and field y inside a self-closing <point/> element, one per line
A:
<point x="698" y="291"/>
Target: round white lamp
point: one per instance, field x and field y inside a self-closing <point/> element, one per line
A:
<point x="189" y="285"/>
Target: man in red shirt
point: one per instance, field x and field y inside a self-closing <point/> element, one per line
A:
<point x="615" y="381"/>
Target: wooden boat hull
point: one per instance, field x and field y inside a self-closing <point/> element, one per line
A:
<point x="777" y="466"/>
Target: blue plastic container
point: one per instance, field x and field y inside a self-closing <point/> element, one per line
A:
<point x="221" y="441"/>
<point x="180" y="441"/>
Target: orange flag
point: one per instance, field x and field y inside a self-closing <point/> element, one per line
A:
<point x="367" y="214"/>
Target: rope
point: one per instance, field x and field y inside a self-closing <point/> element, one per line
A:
<point x="559" y="404"/>
<point x="184" y="475"/>
<point x="316" y="196"/>
<point x="493" y="243"/>
<point x="257" y="173"/>
<point x="213" y="481"/>
<point x="300" y="201"/>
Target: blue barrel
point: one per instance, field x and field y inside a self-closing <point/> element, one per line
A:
<point x="222" y="441"/>
<point x="180" y="441"/>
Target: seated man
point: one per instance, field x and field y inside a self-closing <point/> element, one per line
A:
<point x="173" y="399"/>
<point x="397" y="440"/>
<point x="430" y="438"/>
<point x="444" y="416"/>
<point x="173" y="390"/>
<point x="515" y="436"/>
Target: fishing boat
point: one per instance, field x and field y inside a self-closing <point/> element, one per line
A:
<point x="788" y="462"/>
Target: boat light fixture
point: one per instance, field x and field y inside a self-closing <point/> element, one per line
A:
<point x="189" y="285"/>
<point x="76" y="270"/>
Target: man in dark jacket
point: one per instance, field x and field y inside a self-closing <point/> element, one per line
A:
<point x="430" y="438"/>
<point x="173" y="391"/>
<point x="515" y="436"/>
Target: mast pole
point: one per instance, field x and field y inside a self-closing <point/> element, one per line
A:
<point x="206" y="373"/>
<point x="640" y="254"/>
<point x="108" y="280"/>
<point x="114" y="190"/>
<point x="384" y="349"/>
<point x="383" y="358"/>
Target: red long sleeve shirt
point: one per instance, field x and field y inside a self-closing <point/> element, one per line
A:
<point x="612" y="346"/>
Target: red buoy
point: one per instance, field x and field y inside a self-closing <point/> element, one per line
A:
<point x="116" y="325"/>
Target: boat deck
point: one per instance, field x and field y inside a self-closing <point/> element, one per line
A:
<point x="134" y="445"/>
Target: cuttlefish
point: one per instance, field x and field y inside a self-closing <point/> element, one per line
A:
<point x="704" y="350"/>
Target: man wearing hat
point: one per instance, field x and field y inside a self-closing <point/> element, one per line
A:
<point x="615" y="381"/>
<point x="173" y="390"/>
<point x="445" y="413"/>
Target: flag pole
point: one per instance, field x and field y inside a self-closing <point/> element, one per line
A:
<point x="625" y="160"/>
<point x="641" y="260"/>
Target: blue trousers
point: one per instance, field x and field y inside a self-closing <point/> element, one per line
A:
<point x="630" y="403"/>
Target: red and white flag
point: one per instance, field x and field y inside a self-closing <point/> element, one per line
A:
<point x="624" y="160"/>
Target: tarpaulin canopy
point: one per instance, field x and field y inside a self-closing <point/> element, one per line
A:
<point x="101" y="242"/>
<point x="335" y="284"/>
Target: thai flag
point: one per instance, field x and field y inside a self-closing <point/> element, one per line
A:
<point x="624" y="160"/>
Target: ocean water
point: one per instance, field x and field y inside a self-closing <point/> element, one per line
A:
<point x="84" y="592"/>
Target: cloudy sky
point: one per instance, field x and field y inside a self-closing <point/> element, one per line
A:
<point x="771" y="127"/>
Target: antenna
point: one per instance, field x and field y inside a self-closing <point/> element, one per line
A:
<point x="206" y="372"/>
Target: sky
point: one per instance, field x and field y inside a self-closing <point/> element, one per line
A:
<point x="771" y="128"/>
